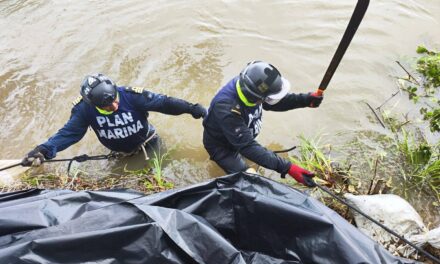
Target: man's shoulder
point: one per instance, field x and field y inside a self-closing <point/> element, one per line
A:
<point x="77" y="100"/>
<point x="132" y="89"/>
<point x="79" y="105"/>
<point x="227" y="107"/>
<point x="137" y="93"/>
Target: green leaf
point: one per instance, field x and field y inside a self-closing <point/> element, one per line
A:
<point x="421" y="49"/>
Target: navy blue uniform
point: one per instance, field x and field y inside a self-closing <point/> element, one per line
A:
<point x="123" y="130"/>
<point x="230" y="129"/>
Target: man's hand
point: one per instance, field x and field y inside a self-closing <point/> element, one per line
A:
<point x="314" y="99"/>
<point x="197" y="111"/>
<point x="34" y="158"/>
<point x="302" y="176"/>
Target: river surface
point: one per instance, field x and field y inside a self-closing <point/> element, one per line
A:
<point x="188" y="49"/>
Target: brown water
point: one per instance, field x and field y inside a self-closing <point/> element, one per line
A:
<point x="188" y="49"/>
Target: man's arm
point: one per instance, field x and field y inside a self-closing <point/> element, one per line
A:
<point x="292" y="101"/>
<point x="240" y="137"/>
<point x="72" y="132"/>
<point x="149" y="101"/>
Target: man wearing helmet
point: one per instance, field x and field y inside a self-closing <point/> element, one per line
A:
<point x="118" y="115"/>
<point x="234" y="120"/>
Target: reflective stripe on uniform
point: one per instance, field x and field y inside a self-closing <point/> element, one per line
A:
<point x="241" y="95"/>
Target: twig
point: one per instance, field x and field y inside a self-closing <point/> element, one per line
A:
<point x="71" y="182"/>
<point x="406" y="79"/>
<point x="374" y="112"/>
<point x="376" y="162"/>
<point x="404" y="123"/>
<point x="409" y="74"/>
<point x="394" y="94"/>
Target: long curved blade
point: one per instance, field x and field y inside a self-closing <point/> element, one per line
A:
<point x="355" y="21"/>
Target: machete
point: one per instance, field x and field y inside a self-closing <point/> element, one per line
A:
<point x="356" y="18"/>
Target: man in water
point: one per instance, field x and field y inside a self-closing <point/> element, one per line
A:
<point x="117" y="114"/>
<point x="234" y="120"/>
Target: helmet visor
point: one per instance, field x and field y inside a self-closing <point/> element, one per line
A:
<point x="106" y="100"/>
<point x="275" y="98"/>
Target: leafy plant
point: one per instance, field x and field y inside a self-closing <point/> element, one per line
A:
<point x="428" y="66"/>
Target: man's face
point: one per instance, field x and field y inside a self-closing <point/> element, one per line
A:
<point x="113" y="107"/>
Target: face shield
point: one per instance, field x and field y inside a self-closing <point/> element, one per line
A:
<point x="275" y="98"/>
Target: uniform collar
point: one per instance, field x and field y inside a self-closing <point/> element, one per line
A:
<point x="241" y="95"/>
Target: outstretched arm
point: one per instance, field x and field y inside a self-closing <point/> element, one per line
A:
<point x="149" y="101"/>
<point x="292" y="101"/>
<point x="73" y="131"/>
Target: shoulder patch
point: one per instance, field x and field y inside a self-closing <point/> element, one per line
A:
<point x="77" y="100"/>
<point x="236" y="109"/>
<point x="135" y="89"/>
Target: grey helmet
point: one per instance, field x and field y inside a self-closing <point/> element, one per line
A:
<point x="98" y="90"/>
<point x="261" y="81"/>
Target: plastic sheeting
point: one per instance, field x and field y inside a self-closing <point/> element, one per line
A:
<point x="238" y="218"/>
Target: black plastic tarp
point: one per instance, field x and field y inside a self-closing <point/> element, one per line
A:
<point x="239" y="218"/>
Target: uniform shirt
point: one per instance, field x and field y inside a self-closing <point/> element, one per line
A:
<point x="123" y="130"/>
<point x="231" y="124"/>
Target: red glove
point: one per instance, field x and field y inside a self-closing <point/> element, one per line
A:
<point x="315" y="99"/>
<point x="302" y="176"/>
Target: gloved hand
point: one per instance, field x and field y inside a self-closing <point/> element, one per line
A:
<point x="314" y="99"/>
<point x="34" y="158"/>
<point x="197" y="111"/>
<point x="302" y="176"/>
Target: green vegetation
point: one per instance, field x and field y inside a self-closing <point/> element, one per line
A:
<point x="317" y="158"/>
<point x="160" y="182"/>
<point x="426" y="91"/>
<point x="422" y="164"/>
<point x="422" y="168"/>
<point x="148" y="179"/>
<point x="314" y="156"/>
<point x="416" y="161"/>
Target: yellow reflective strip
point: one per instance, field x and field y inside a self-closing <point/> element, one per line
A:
<point x="241" y="95"/>
<point x="103" y="112"/>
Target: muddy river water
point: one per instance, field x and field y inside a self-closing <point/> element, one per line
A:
<point x="188" y="49"/>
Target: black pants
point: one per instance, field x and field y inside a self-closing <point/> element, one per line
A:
<point x="155" y="147"/>
<point x="228" y="159"/>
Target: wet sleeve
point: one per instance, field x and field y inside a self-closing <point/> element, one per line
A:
<point x="72" y="132"/>
<point x="149" y="101"/>
<point x="289" y="102"/>
<point x="240" y="137"/>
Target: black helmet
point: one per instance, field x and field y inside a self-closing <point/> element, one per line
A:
<point x="98" y="90"/>
<point x="262" y="81"/>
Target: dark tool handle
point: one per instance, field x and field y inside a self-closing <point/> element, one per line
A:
<point x="355" y="21"/>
